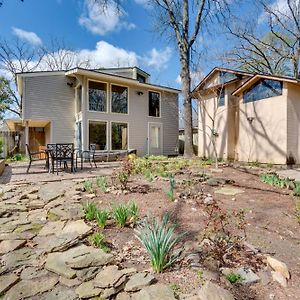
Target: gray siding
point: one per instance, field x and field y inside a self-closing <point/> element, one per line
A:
<point x="50" y="98"/>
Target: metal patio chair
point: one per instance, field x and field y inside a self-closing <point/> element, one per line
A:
<point x="33" y="156"/>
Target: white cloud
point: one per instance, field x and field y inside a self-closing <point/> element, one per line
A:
<point x="100" y="20"/>
<point x="107" y="55"/>
<point x="28" y="36"/>
<point x="145" y="3"/>
<point x="280" y="7"/>
<point x="158" y="59"/>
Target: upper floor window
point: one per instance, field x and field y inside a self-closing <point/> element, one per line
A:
<point x="97" y="96"/>
<point x="154" y="104"/>
<point x="221" y="97"/>
<point x="227" y="76"/>
<point x="264" y="88"/>
<point x="141" y="78"/>
<point x="119" y="99"/>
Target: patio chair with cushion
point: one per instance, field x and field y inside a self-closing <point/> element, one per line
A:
<point x="33" y="156"/>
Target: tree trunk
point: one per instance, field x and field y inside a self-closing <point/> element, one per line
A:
<point x="187" y="105"/>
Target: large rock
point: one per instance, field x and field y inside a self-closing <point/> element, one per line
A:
<point x="60" y="293"/>
<point x="278" y="266"/>
<point x="88" y="290"/>
<point x="123" y="296"/>
<point x="33" y="272"/>
<point x="155" y="292"/>
<point x="10" y="245"/>
<point x="52" y="228"/>
<point x="88" y="274"/>
<point x="229" y="191"/>
<point x="138" y="281"/>
<point x="77" y="226"/>
<point x="211" y="291"/>
<point x="110" y="276"/>
<point x="7" y="281"/>
<point x="30" y="288"/>
<point x="89" y="257"/>
<point x="247" y="275"/>
<point x="52" y="190"/>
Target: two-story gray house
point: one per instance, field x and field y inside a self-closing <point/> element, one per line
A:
<point x="116" y="109"/>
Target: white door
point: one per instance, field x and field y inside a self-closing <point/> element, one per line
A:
<point x="155" y="139"/>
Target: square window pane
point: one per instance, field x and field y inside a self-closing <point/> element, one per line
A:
<point x="154" y="104"/>
<point x="97" y="96"/>
<point x="119" y="99"/>
<point x="119" y="136"/>
<point x="97" y="134"/>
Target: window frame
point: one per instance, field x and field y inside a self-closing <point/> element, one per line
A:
<point x="110" y="98"/>
<point x="107" y="97"/>
<point x="152" y="91"/>
<point x="256" y="84"/>
<point x="107" y="132"/>
<point x="111" y="140"/>
<point x="161" y="138"/>
<point x="220" y="92"/>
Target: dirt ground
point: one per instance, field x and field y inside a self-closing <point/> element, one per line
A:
<point x="271" y="226"/>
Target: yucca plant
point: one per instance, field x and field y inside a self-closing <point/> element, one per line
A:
<point x="101" y="217"/>
<point x="120" y="214"/>
<point x="159" y="239"/>
<point x="90" y="210"/>
<point x="170" y="192"/>
<point x="102" y="183"/>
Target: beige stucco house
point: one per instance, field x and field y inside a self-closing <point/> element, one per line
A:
<point x="251" y="117"/>
<point x="116" y="109"/>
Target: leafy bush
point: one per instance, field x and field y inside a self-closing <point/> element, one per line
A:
<point x="88" y="186"/>
<point x="123" y="175"/>
<point x="120" y="214"/>
<point x="102" y="183"/>
<point x="234" y="278"/>
<point x="101" y="217"/>
<point x="97" y="240"/>
<point x="90" y="210"/>
<point x="159" y="240"/>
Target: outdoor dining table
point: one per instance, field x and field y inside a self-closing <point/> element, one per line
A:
<point x="56" y="154"/>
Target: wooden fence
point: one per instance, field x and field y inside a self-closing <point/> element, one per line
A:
<point x="13" y="142"/>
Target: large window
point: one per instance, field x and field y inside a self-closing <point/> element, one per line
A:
<point x="119" y="136"/>
<point x="97" y="96"/>
<point x="119" y="99"/>
<point x="221" y="97"/>
<point x="264" y="88"/>
<point x="97" y="134"/>
<point x="227" y="76"/>
<point x="154" y="104"/>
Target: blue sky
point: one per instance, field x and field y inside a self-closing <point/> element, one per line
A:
<point x="111" y="39"/>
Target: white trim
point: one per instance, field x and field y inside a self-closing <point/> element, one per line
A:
<point x="110" y="99"/>
<point x="161" y="138"/>
<point x="119" y="122"/>
<point x="160" y="100"/>
<point x="88" y="98"/>
<point x="98" y="121"/>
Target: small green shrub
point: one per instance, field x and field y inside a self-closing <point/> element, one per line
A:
<point x="296" y="189"/>
<point x="97" y="240"/>
<point x="120" y="214"/>
<point x="149" y="175"/>
<point x="88" y="186"/>
<point x="159" y="240"/>
<point x="170" y="192"/>
<point x="133" y="212"/>
<point x="90" y="210"/>
<point x="234" y="278"/>
<point x="102" y="183"/>
<point x="298" y="211"/>
<point x="101" y="217"/>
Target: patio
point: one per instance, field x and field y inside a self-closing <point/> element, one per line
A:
<point x="15" y="172"/>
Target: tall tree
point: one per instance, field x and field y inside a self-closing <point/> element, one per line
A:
<point x="268" y="42"/>
<point x="185" y="19"/>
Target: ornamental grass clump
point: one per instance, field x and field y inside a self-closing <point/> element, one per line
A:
<point x="133" y="212"/>
<point x="102" y="183"/>
<point x="102" y="217"/>
<point x="90" y="210"/>
<point x="159" y="239"/>
<point x="120" y="214"/>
